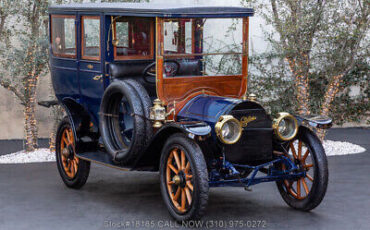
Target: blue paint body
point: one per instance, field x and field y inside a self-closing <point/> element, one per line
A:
<point x="207" y="108"/>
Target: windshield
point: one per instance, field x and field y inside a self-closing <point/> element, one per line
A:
<point x="202" y="47"/>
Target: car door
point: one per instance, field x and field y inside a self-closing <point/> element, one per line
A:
<point x="90" y="68"/>
<point x="63" y="58"/>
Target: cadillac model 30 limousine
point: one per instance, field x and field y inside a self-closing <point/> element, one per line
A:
<point x="164" y="88"/>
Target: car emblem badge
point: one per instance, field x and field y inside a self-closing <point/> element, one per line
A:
<point x="245" y="120"/>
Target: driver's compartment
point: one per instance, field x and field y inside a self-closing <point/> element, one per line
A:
<point x="133" y="42"/>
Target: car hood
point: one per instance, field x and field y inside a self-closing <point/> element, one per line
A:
<point x="207" y="108"/>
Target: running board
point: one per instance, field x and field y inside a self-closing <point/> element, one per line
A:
<point x="102" y="158"/>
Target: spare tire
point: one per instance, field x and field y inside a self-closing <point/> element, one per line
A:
<point x="146" y="103"/>
<point x="122" y="122"/>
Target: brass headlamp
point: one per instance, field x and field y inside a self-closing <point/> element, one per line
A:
<point x="285" y="126"/>
<point x="228" y="129"/>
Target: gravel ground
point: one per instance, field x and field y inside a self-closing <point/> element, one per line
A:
<point x="332" y="148"/>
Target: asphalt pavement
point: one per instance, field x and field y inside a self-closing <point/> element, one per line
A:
<point x="32" y="196"/>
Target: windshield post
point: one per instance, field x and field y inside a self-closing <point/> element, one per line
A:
<point x="244" y="86"/>
<point x="159" y="56"/>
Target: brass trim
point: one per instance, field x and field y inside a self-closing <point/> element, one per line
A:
<point x="245" y="120"/>
<point x="221" y="122"/>
<point x="176" y="179"/>
<point x="89" y="66"/>
<point x="97" y="77"/>
<point x="276" y="122"/>
<point x="252" y="97"/>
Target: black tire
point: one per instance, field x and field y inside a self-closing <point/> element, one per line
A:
<point x="83" y="170"/>
<point x="146" y="104"/>
<point x="320" y="175"/>
<point x="122" y="148"/>
<point x="199" y="179"/>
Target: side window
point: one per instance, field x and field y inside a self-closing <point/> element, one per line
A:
<point x="90" y="37"/>
<point x="133" y="38"/>
<point x="178" y="36"/>
<point x="63" y="36"/>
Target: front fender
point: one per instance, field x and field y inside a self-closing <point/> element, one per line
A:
<point x="193" y="128"/>
<point x="149" y="158"/>
<point x="316" y="121"/>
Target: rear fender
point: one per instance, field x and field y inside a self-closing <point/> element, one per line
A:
<point x="195" y="130"/>
<point x="80" y="123"/>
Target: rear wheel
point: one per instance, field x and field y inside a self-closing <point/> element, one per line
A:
<point x="307" y="192"/>
<point x="74" y="171"/>
<point x="184" y="178"/>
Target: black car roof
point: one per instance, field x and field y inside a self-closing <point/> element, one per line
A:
<point x="155" y="10"/>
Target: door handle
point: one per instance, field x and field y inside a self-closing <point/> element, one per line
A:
<point x="98" y="77"/>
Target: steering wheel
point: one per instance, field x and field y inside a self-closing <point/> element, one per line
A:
<point x="170" y="70"/>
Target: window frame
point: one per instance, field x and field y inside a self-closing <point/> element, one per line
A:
<point x="136" y="57"/>
<point x="63" y="55"/>
<point x="85" y="57"/>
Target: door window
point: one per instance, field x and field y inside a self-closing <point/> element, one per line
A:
<point x="90" y="37"/>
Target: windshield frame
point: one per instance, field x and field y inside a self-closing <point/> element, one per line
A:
<point x="168" y="88"/>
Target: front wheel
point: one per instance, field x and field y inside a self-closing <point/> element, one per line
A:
<point x="307" y="152"/>
<point x="183" y="178"/>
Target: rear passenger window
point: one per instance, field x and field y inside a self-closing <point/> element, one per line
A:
<point x="91" y="37"/>
<point x="134" y="38"/>
<point x="63" y="36"/>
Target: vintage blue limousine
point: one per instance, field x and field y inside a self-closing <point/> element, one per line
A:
<point x="164" y="88"/>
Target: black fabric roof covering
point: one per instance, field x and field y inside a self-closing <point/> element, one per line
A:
<point x="160" y="10"/>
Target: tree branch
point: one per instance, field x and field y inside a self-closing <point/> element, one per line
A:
<point x="2" y="24"/>
<point x="13" y="89"/>
<point x="278" y="24"/>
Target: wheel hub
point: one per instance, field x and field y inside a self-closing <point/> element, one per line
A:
<point x="66" y="152"/>
<point x="176" y="179"/>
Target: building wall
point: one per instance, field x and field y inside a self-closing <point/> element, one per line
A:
<point x="11" y="112"/>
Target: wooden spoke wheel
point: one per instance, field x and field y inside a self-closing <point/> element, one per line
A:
<point x="300" y="154"/>
<point x="308" y="154"/>
<point x="184" y="178"/>
<point x="179" y="180"/>
<point x="67" y="151"/>
<point x="73" y="171"/>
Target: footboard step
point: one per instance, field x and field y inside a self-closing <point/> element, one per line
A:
<point x="103" y="158"/>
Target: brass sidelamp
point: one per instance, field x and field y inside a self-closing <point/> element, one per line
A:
<point x="157" y="113"/>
